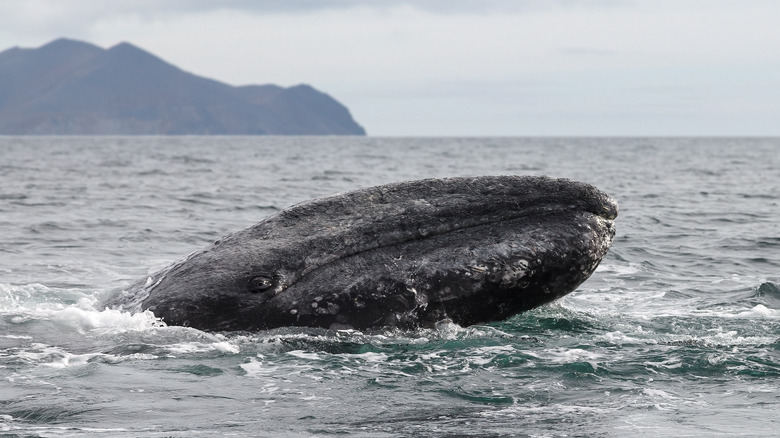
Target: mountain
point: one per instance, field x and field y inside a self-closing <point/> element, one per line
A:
<point x="71" y="87"/>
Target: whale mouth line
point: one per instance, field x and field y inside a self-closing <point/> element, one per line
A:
<point x="288" y="280"/>
<point x="335" y="258"/>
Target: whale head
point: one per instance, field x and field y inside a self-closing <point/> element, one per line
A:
<point x="407" y="254"/>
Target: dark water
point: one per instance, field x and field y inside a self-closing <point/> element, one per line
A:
<point x="676" y="334"/>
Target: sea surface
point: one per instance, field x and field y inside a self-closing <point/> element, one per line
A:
<point x="676" y="334"/>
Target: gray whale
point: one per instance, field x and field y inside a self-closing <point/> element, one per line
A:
<point x="405" y="255"/>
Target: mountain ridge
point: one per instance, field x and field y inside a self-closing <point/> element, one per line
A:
<point x="69" y="87"/>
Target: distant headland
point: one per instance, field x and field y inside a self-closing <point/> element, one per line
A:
<point x="69" y="87"/>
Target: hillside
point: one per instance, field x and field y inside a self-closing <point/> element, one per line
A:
<point x="70" y="87"/>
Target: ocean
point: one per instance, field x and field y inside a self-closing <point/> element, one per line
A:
<point x="677" y="333"/>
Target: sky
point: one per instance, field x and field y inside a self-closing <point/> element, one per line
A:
<point x="464" y="67"/>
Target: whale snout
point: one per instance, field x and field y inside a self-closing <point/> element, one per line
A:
<point x="610" y="208"/>
<point x="405" y="254"/>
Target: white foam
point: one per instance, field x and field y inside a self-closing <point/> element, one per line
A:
<point x="371" y="356"/>
<point x="496" y="349"/>
<point x="41" y="353"/>
<point x="106" y="320"/>
<point x="523" y="410"/>
<point x="72" y="360"/>
<point x="652" y="304"/>
<point x="619" y="338"/>
<point x="203" y="347"/>
<point x="759" y="311"/>
<point x="669" y="364"/>
<point x="24" y="303"/>
<point x="50" y="356"/>
<point x="658" y="393"/>
<point x="568" y="355"/>
<point x="258" y="369"/>
<point x="448" y="329"/>
<point x="226" y="347"/>
<point x="13" y="297"/>
<point x="304" y="355"/>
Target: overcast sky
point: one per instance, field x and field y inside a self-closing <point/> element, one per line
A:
<point x="464" y="67"/>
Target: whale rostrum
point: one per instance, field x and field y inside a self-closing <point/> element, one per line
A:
<point x="406" y="255"/>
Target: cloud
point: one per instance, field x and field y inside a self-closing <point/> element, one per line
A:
<point x="585" y="51"/>
<point x="35" y="20"/>
<point x="460" y="66"/>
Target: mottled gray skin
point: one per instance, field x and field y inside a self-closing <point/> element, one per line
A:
<point x="405" y="255"/>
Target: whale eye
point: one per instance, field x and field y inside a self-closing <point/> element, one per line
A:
<point x="260" y="283"/>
